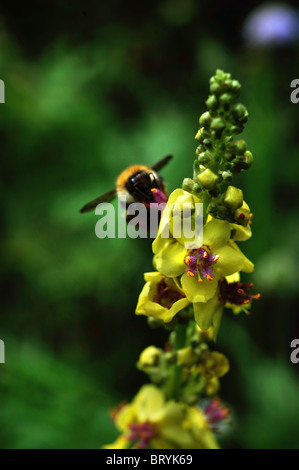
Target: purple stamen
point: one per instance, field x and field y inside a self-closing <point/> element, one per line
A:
<point x="236" y="293"/>
<point x="216" y="413"/>
<point x="141" y="434"/>
<point x="166" y="295"/>
<point x="199" y="263"/>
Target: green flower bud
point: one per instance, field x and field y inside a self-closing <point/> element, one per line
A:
<point x="225" y="99"/>
<point x="197" y="188"/>
<point x="234" y="130"/>
<point x="207" y="179"/>
<point x="207" y="142"/>
<point x="243" y="162"/>
<point x="239" y="111"/>
<point x="227" y="176"/>
<point x="212" y="209"/>
<point x="248" y="157"/>
<point x="236" y="86"/>
<point x="212" y="102"/>
<point x="205" y="119"/>
<point x="233" y="198"/>
<point x="188" y="184"/>
<point x="203" y="158"/>
<point x="217" y="124"/>
<point x="226" y="166"/>
<point x="215" y="88"/>
<point x="238" y="147"/>
<point x="228" y="156"/>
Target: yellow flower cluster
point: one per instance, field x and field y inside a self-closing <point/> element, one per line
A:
<point x="193" y="276"/>
<point x="151" y="421"/>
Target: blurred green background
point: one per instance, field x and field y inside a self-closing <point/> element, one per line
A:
<point x="90" y="89"/>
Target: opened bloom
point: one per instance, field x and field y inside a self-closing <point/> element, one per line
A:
<point x="200" y="268"/>
<point x="161" y="297"/>
<point x="230" y="293"/>
<point x="150" y="421"/>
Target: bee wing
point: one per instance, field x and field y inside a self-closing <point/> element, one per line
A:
<point x="107" y="197"/>
<point x="161" y="163"/>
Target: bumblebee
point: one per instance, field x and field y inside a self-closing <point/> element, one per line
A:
<point x="138" y="183"/>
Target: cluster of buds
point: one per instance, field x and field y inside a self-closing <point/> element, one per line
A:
<point x="219" y="155"/>
<point x="201" y="367"/>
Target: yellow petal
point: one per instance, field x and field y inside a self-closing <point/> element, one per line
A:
<point x="149" y="404"/>
<point x="198" y="292"/>
<point x="216" y="233"/>
<point x="241" y="233"/>
<point x="147" y="306"/>
<point x="204" y="313"/>
<point x="231" y="260"/>
<point x="153" y="277"/>
<point x="233" y="278"/>
<point x="170" y="260"/>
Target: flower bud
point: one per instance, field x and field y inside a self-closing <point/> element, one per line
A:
<point x="217" y="124"/>
<point x="207" y="179"/>
<point x="233" y="198"/>
<point x="212" y="102"/>
<point x="227" y="176"/>
<point x="225" y="166"/>
<point x="215" y="88"/>
<point x="188" y="184"/>
<point x="205" y="119"/>
<point x="242" y="215"/>
<point x="248" y="157"/>
<point x="187" y="357"/>
<point x="213" y="364"/>
<point x="235" y="86"/>
<point x="207" y="143"/>
<point x="149" y="357"/>
<point x="225" y="99"/>
<point x="238" y="147"/>
<point x="240" y="111"/>
<point x="203" y="158"/>
<point x="198" y="135"/>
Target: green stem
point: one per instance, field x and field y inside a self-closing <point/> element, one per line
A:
<point x="173" y="384"/>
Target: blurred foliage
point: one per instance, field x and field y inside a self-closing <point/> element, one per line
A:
<point x="90" y="89"/>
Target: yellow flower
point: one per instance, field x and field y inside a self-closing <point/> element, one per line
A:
<point x="213" y="364"/>
<point x="231" y="293"/>
<point x="201" y="268"/>
<point x="151" y="421"/>
<point x="161" y="297"/>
